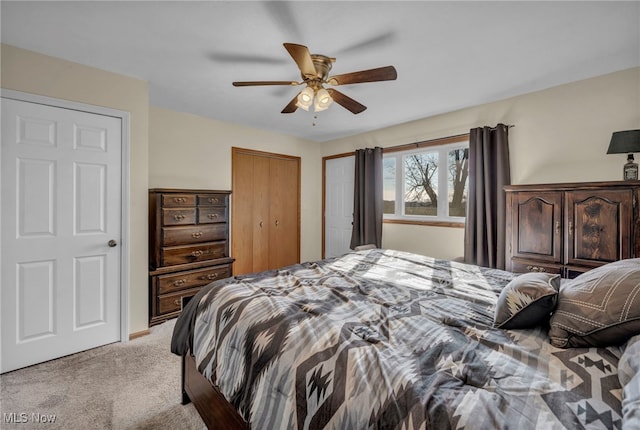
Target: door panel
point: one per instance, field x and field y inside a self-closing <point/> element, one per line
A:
<point x="61" y="205"/>
<point x="242" y="212"/>
<point x="35" y="186"/>
<point x="266" y="211"/>
<point x="90" y="193"/>
<point x="283" y="216"/>
<point x="35" y="300"/>
<point x="338" y="216"/>
<point x="260" y="224"/>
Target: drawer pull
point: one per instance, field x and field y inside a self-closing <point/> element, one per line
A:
<point x="178" y="217"/>
<point x="179" y="282"/>
<point x="196" y="235"/>
<point x="209" y="277"/>
<point x="197" y="253"/>
<point x="536" y="269"/>
<point x="179" y="199"/>
<point x="212" y="216"/>
<point x="176" y="302"/>
<point x="213" y="200"/>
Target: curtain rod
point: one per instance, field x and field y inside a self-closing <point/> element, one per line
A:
<point x="433" y="142"/>
<point x="506" y="125"/>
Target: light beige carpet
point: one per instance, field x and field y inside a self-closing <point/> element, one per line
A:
<point x="134" y="385"/>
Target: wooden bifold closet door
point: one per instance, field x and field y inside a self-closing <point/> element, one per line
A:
<point x="265" y="210"/>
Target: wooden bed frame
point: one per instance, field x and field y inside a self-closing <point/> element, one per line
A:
<point x="216" y="412"/>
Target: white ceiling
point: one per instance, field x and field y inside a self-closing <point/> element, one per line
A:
<point x="449" y="55"/>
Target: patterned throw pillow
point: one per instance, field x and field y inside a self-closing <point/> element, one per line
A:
<point x="527" y="301"/>
<point x="598" y="308"/>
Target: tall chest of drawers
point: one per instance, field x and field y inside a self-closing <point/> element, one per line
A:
<point x="188" y="246"/>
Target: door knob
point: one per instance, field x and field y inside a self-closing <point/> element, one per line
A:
<point x="112" y="243"/>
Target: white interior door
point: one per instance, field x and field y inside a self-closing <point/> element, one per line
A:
<point x="338" y="217"/>
<point x="61" y="205"/>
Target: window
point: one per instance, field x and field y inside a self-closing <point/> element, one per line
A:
<point x="428" y="182"/>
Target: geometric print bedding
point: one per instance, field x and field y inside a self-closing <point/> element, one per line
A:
<point x="384" y="339"/>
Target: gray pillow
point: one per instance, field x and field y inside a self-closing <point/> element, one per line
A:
<point x="629" y="376"/>
<point x="629" y="363"/>
<point x="598" y="308"/>
<point x="527" y="301"/>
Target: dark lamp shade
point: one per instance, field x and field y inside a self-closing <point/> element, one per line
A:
<point x="624" y="142"/>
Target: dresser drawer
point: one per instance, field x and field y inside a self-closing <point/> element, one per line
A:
<point x="172" y="236"/>
<point x="178" y="216"/>
<point x="212" y="200"/>
<point x="191" y="279"/>
<point x="178" y="200"/>
<point x="211" y="214"/>
<point x="525" y="266"/>
<point x="173" y="255"/>
<point x="173" y="302"/>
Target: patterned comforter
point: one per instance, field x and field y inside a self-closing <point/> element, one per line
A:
<point x="385" y="339"/>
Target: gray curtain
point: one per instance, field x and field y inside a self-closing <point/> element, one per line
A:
<point x="489" y="172"/>
<point x="367" y="198"/>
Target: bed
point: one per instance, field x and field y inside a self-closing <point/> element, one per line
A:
<point x="386" y="339"/>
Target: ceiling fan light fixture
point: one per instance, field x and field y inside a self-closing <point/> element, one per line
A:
<point x="323" y="100"/>
<point x="305" y="98"/>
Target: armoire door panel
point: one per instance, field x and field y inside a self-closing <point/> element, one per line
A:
<point x="595" y="226"/>
<point x="538" y="216"/>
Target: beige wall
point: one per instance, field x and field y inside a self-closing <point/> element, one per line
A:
<point x="561" y="135"/>
<point x="34" y="73"/>
<point x="188" y="151"/>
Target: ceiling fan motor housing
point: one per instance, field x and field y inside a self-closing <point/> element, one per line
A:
<point x="323" y="65"/>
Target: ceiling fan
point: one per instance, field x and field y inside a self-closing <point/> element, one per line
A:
<point x="314" y="70"/>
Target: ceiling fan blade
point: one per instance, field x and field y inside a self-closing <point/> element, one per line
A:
<point x="387" y="73"/>
<point x="346" y="101"/>
<point x="302" y="57"/>
<point x="236" y="58"/>
<point x="254" y="83"/>
<point x="291" y="107"/>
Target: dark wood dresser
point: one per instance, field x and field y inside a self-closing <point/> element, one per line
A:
<point x="188" y="246"/>
<point x="571" y="228"/>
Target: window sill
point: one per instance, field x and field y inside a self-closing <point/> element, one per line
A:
<point x="452" y="224"/>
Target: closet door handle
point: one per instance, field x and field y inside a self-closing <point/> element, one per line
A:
<point x="277" y="223"/>
<point x="260" y="224"/>
<point x="557" y="226"/>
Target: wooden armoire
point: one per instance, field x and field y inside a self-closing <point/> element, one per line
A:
<point x="265" y="210"/>
<point x="571" y="228"/>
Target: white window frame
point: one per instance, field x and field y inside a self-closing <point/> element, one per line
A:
<point x="443" y="195"/>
